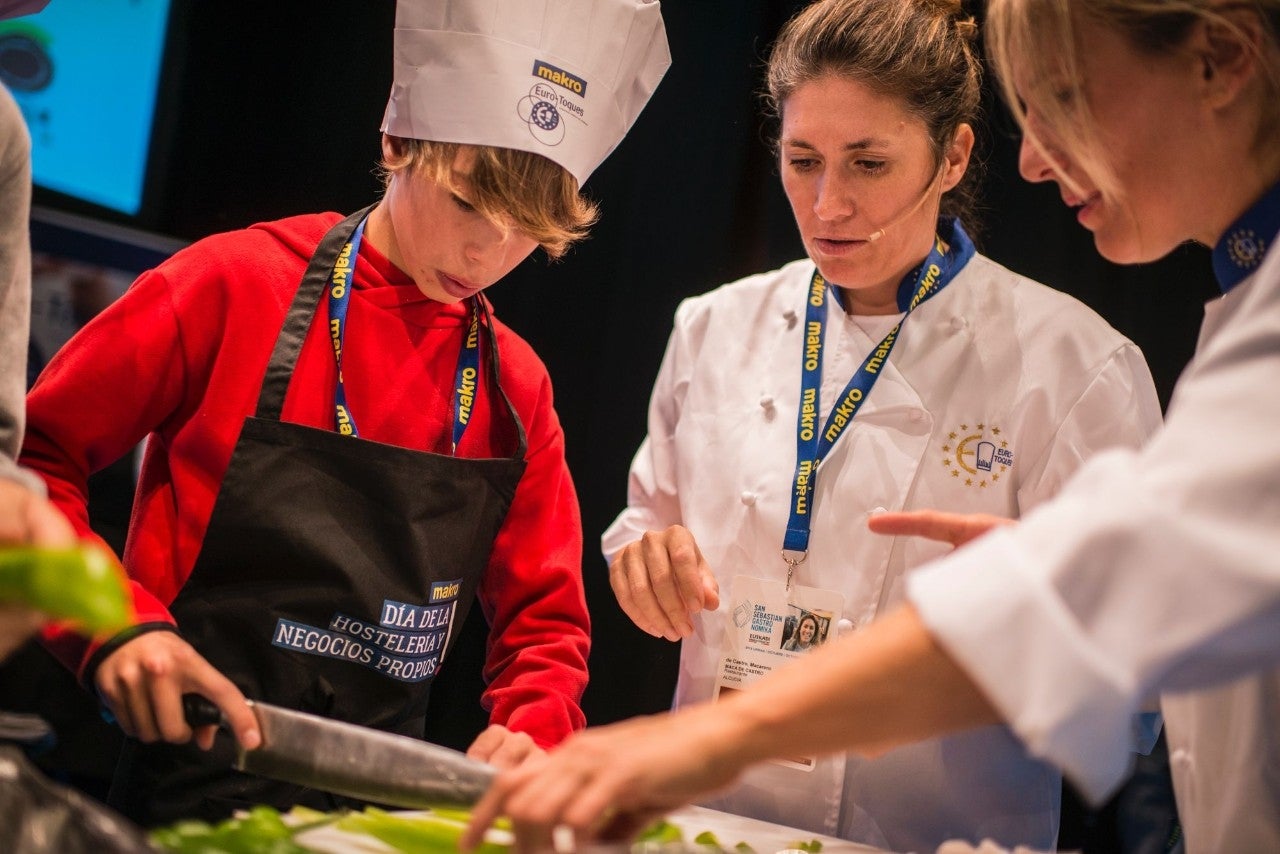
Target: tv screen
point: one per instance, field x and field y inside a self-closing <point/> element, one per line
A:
<point x="85" y="73"/>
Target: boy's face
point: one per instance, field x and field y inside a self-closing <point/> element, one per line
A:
<point x="449" y="249"/>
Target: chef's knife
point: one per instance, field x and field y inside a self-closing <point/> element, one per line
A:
<point x="351" y="760"/>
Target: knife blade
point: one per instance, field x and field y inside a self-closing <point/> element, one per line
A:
<point x="356" y="761"/>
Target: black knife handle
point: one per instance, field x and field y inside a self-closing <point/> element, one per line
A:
<point x="200" y="711"/>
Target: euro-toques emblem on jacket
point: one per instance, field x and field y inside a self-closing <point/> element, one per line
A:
<point x="977" y="455"/>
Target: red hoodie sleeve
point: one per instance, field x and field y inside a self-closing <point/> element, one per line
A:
<point x="532" y="591"/>
<point x="96" y="400"/>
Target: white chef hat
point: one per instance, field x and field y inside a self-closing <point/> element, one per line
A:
<point x="561" y="78"/>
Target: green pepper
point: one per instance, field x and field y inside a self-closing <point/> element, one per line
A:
<point x="413" y="834"/>
<point x="661" y="831"/>
<point x="81" y="584"/>
<point x="463" y="816"/>
<point x="262" y="831"/>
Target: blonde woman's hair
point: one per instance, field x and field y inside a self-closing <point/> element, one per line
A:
<point x="510" y="188"/>
<point x="1038" y="39"/>
<point x="920" y="52"/>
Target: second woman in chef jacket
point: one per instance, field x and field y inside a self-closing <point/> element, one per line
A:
<point x="892" y="368"/>
<point x="345" y="449"/>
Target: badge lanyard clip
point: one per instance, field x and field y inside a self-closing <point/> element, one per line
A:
<point x="793" y="562"/>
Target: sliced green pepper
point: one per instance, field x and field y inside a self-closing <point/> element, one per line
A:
<point x="262" y="831"/>
<point x="661" y="831"/>
<point x="463" y="816"/>
<point x="413" y="834"/>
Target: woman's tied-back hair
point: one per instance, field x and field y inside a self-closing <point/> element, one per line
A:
<point x="921" y="52"/>
<point x="1037" y="41"/>
<point x="510" y="188"/>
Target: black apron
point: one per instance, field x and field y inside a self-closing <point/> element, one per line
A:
<point x="333" y="578"/>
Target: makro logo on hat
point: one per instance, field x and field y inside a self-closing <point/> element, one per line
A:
<point x="560" y="77"/>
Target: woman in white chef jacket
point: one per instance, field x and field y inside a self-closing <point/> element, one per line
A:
<point x="892" y="368"/>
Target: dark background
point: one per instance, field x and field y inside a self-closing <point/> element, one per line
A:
<point x="272" y="109"/>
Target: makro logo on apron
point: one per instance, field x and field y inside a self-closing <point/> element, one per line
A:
<point x="406" y="643"/>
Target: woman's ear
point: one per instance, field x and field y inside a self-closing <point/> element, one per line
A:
<point x="957" y="156"/>
<point x="1230" y="53"/>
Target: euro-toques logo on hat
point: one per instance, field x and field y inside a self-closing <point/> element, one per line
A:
<point x="562" y="78"/>
<point x="541" y="108"/>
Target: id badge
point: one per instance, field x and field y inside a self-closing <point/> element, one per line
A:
<point x="770" y="626"/>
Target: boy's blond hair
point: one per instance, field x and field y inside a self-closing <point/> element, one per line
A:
<point x="510" y="188"/>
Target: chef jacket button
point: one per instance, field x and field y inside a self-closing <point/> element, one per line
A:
<point x="766" y="401"/>
<point x="748" y="497"/>
<point x="843" y="628"/>
<point x="959" y="324"/>
<point x="877" y="509"/>
<point x="790" y="317"/>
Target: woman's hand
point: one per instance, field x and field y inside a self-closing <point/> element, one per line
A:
<point x="610" y="782"/>
<point x="502" y="748"/>
<point x="142" y="684"/>
<point x="661" y="580"/>
<point x="954" y="528"/>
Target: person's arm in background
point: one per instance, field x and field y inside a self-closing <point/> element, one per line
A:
<point x="15" y="283"/>
<point x="25" y="515"/>
<point x="656" y="570"/>
<point x="608" y="782"/>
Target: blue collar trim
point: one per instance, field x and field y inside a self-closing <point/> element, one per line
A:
<point x="1245" y="243"/>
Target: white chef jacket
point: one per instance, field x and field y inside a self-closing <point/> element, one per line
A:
<point x="1152" y="569"/>
<point x="993" y="357"/>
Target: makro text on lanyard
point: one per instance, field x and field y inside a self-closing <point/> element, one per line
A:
<point x="812" y="445"/>
<point x="466" y="378"/>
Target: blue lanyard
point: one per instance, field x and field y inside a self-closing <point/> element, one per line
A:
<point x="464" y="380"/>
<point x="341" y="281"/>
<point x="1241" y="249"/>
<point x="812" y="445"/>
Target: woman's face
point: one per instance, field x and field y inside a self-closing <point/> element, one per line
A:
<point x="1153" y="136"/>
<point x="855" y="163"/>
<point x="807" y="630"/>
<point x="449" y="249"/>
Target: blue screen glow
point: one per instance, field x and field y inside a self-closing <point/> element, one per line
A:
<point x="85" y="74"/>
